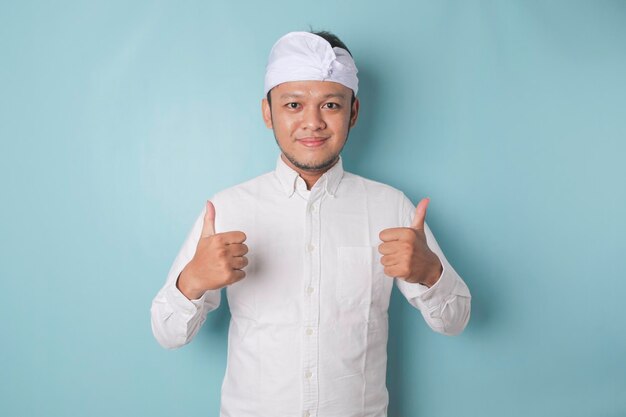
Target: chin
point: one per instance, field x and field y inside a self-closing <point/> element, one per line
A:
<point x="316" y="164"/>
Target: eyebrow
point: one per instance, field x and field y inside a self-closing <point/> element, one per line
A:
<point x="300" y="95"/>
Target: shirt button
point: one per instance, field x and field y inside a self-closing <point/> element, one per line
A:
<point x="306" y="414"/>
<point x="309" y="331"/>
<point x="310" y="248"/>
<point x="312" y="208"/>
<point x="309" y="290"/>
<point x="308" y="374"/>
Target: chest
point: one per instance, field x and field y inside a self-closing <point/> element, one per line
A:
<point x="311" y="258"/>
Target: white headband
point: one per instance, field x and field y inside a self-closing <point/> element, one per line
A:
<point x="303" y="56"/>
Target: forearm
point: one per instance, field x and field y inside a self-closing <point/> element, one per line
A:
<point x="445" y="306"/>
<point x="175" y="319"/>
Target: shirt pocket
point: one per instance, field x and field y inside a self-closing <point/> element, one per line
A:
<point x="355" y="276"/>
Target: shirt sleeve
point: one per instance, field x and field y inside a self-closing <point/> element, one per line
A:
<point x="446" y="305"/>
<point x="175" y="319"/>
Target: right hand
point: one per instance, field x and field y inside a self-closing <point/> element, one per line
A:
<point x="218" y="260"/>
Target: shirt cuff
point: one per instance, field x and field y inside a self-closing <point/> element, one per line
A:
<point x="181" y="303"/>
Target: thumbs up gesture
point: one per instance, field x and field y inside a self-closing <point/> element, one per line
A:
<point x="218" y="261"/>
<point x="406" y="254"/>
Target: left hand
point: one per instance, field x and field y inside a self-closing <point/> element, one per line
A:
<point x="406" y="254"/>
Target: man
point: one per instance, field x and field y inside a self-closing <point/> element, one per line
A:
<point x="308" y="254"/>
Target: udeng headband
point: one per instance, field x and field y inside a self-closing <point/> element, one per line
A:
<point x="303" y="56"/>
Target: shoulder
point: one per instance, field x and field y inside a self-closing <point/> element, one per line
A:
<point x="383" y="200"/>
<point x="247" y="189"/>
<point x="373" y="189"/>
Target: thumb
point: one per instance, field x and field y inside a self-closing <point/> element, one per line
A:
<point x="420" y="214"/>
<point x="208" y="227"/>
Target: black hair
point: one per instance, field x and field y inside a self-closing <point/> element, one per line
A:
<point x="334" y="41"/>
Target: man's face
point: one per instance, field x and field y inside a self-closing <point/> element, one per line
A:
<point x="311" y="121"/>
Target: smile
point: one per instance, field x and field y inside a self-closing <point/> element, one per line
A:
<point x="312" y="142"/>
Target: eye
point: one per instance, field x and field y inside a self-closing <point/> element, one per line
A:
<point x="292" y="105"/>
<point x="332" y="106"/>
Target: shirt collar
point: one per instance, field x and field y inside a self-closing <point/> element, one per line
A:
<point x="287" y="177"/>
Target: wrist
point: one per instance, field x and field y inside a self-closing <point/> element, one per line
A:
<point x="434" y="273"/>
<point x="184" y="285"/>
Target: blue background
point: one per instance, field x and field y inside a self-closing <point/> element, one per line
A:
<point x="118" y="119"/>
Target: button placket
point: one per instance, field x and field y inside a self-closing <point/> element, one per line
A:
<point x="310" y="347"/>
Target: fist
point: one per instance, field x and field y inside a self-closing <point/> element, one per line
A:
<point x="218" y="261"/>
<point x="406" y="254"/>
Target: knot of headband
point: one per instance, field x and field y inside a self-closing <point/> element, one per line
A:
<point x="303" y="56"/>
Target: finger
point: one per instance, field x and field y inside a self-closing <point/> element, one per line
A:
<point x="208" y="227"/>
<point x="389" y="260"/>
<point x="387" y="248"/>
<point x="238" y="249"/>
<point x="239" y="262"/>
<point x="420" y="214"/>
<point x="396" y="233"/>
<point x="396" y="271"/>
<point x="234" y="237"/>
<point x="237" y="275"/>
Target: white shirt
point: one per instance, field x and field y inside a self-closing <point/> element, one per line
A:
<point x="309" y="324"/>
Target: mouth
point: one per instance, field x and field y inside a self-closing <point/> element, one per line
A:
<point x="312" y="142"/>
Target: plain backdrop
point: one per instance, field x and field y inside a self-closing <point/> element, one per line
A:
<point x="119" y="118"/>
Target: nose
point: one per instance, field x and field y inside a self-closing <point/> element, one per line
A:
<point x="313" y="119"/>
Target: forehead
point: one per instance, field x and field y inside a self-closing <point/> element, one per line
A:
<point x="311" y="89"/>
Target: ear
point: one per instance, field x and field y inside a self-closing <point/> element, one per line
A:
<point x="354" y="114"/>
<point x="267" y="113"/>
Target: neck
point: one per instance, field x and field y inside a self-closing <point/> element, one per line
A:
<point x="310" y="176"/>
